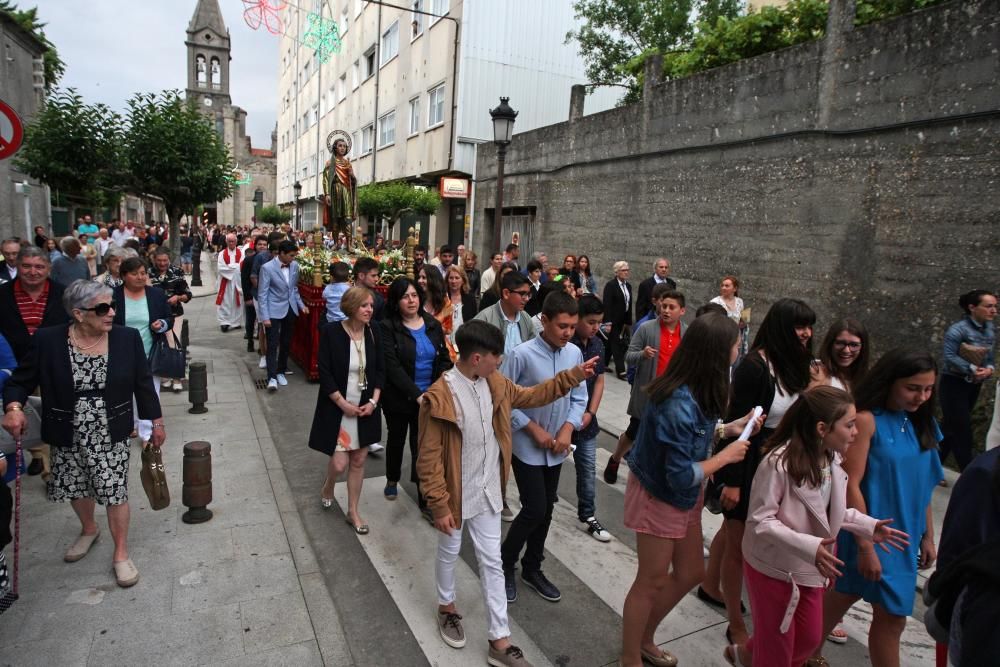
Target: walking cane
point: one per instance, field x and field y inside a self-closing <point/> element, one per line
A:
<point x="11" y="597"/>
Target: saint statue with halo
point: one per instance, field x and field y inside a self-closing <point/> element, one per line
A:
<point x="340" y="186"/>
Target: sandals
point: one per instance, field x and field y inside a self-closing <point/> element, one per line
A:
<point x="838" y="635"/>
<point x="360" y="530"/>
<point x="327" y="503"/>
<point x="817" y="661"/>
<point x="126" y="574"/>
<point x="665" y="659"/>
<point x="81" y="547"/>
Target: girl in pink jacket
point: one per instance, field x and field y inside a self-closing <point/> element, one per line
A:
<point x="798" y="504"/>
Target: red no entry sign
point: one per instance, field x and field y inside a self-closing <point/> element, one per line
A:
<point x="11" y="131"/>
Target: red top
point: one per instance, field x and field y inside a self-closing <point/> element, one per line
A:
<point x="668" y="343"/>
<point x="32" y="311"/>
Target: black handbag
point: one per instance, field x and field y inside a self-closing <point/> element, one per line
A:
<point x="166" y="361"/>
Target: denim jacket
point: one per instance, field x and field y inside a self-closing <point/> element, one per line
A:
<point x="967" y="331"/>
<point x="674" y="438"/>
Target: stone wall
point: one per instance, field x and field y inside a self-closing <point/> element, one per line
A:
<point x="860" y="173"/>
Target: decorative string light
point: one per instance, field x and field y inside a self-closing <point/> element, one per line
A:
<point x="264" y="12"/>
<point x="322" y="35"/>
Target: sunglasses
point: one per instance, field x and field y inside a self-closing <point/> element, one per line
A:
<point x="100" y="309"/>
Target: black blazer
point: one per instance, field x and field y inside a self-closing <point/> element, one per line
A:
<point x="334" y="355"/>
<point x="399" y="396"/>
<point x="469" y="308"/>
<point x="47" y="365"/>
<point x="615" y="309"/>
<point x="644" y="296"/>
<point x="534" y="305"/>
<point x="156" y="301"/>
<point x="12" y="326"/>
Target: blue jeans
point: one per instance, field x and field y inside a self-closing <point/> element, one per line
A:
<point x="584" y="460"/>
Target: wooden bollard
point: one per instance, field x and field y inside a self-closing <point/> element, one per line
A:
<point x="196" y="493"/>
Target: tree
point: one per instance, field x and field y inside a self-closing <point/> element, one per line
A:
<point x="173" y="151"/>
<point x="272" y="215"/>
<point x="74" y="148"/>
<point x="392" y="199"/>
<point x="53" y="66"/>
<point x="613" y="33"/>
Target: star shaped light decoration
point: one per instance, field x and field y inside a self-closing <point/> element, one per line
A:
<point x="323" y="36"/>
<point x="264" y="12"/>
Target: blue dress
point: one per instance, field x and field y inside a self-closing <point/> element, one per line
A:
<point x="899" y="480"/>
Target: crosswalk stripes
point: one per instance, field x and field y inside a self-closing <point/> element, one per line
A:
<point x="402" y="549"/>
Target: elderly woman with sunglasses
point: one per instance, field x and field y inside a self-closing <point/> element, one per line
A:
<point x="87" y="413"/>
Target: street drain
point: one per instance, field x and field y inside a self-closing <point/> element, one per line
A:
<point x="260" y="383"/>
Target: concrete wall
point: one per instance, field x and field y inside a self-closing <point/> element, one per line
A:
<point x="21" y="88"/>
<point x="859" y="173"/>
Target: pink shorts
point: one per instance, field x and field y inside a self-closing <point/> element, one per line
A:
<point x="647" y="514"/>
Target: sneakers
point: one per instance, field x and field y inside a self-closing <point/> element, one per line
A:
<point x="272" y="385"/>
<point x="506" y="515"/>
<point x="611" y="471"/>
<point x="375" y="447"/>
<point x="178" y="386"/>
<point x="262" y="363"/>
<point x="511" y="656"/>
<point x="537" y="582"/>
<point x="510" y="586"/>
<point x="282" y="380"/>
<point x="593" y="527"/>
<point x="390" y="492"/>
<point x="450" y="629"/>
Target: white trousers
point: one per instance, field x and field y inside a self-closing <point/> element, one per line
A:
<point x="484" y="530"/>
<point x="145" y="426"/>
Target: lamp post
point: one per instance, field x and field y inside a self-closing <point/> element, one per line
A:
<point x="297" y="188"/>
<point x="258" y="202"/>
<point x="503" y="127"/>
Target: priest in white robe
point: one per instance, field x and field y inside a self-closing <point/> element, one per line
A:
<point x="229" y="300"/>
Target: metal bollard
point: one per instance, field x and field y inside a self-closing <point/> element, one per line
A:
<point x="196" y="268"/>
<point x="196" y="493"/>
<point x="198" y="387"/>
<point x="185" y="338"/>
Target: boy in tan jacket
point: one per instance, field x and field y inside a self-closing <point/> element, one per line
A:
<point x="464" y="462"/>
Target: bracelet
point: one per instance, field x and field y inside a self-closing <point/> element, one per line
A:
<point x="13" y="406"/>
<point x="373" y="402"/>
<point x="158" y="426"/>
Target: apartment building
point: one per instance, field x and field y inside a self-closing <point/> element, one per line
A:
<point x="414" y="90"/>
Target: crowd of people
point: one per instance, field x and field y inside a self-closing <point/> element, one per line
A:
<point x="499" y="372"/>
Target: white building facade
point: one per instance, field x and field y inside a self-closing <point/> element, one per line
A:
<point x="414" y="92"/>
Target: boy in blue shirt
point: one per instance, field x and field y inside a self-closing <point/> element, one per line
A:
<point x="340" y="274"/>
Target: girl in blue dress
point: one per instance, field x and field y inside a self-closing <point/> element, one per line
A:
<point x="892" y="470"/>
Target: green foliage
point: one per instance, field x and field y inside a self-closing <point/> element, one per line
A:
<point x="74" y="148"/>
<point x="172" y="150"/>
<point x="272" y="215"/>
<point x="392" y="199"/>
<point x="869" y="11"/>
<point x="54" y="67"/>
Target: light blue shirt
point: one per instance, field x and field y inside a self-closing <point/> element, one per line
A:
<point x="333" y="293"/>
<point x="511" y="334"/>
<point x="530" y="364"/>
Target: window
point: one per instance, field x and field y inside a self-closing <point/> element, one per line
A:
<point x="355" y="75"/>
<point x="356" y="144"/>
<point x="416" y="19"/>
<point x="315" y="114"/>
<point x="367" y="134"/>
<point x="438" y="8"/>
<point x="369" y="61"/>
<point x="390" y="43"/>
<point x="435" y="104"/>
<point x="342" y="87"/>
<point x="305" y="122"/>
<point x="305" y="71"/>
<point x="387" y="129"/>
<point x="344" y="25"/>
<point x="333" y="95"/>
<point x="359" y="5"/>
<point x="216" y="74"/>
<point x="323" y="108"/>
<point x="414" y="115"/>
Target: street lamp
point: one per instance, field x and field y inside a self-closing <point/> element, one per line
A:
<point x="297" y="188"/>
<point x="503" y="127"/>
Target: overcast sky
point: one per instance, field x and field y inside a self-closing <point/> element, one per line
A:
<point x="115" y="48"/>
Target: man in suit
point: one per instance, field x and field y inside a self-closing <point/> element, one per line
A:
<point x="278" y="304"/>
<point x="618" y="311"/>
<point x="8" y="267"/>
<point x="27" y="303"/>
<point x="661" y="274"/>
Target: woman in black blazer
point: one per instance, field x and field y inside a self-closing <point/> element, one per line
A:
<point x="415" y="356"/>
<point x="145" y="309"/>
<point x="88" y="373"/>
<point x="347" y="419"/>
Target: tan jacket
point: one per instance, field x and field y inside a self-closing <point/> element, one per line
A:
<point x="439" y="459"/>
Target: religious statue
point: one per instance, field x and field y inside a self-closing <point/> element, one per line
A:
<point x="340" y="186"/>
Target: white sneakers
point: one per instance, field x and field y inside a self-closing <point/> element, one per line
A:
<point x="272" y="385"/>
<point x="282" y="380"/>
<point x="262" y="363"/>
<point x="594" y="528"/>
<point x="375" y="448"/>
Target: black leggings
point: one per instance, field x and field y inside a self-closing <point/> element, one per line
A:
<point x="957" y="397"/>
<point x="397" y="424"/>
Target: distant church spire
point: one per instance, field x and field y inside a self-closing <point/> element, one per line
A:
<point x="208" y="56"/>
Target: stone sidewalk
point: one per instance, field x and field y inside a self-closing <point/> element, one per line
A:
<point x="241" y="589"/>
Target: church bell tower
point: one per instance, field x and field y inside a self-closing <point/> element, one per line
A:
<point x="208" y="56"/>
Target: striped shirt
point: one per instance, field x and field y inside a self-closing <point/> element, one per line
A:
<point x="480" y="449"/>
<point x="32" y="311"/>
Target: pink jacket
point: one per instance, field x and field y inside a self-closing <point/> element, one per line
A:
<point x="786" y="523"/>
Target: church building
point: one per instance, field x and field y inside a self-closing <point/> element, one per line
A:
<point x="208" y="67"/>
